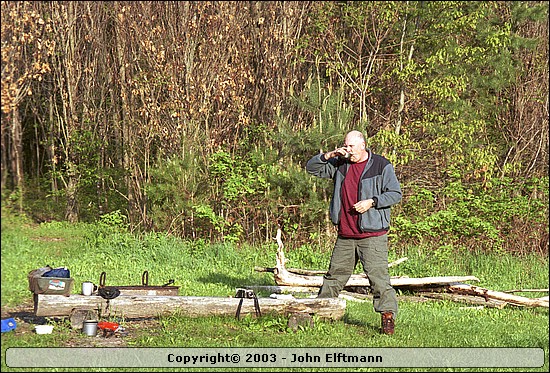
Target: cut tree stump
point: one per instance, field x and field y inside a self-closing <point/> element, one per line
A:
<point x="132" y="306"/>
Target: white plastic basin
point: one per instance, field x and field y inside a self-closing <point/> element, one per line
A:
<point x="43" y="329"/>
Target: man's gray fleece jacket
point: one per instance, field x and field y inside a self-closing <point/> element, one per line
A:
<point x="378" y="181"/>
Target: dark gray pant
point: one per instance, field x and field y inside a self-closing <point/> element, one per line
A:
<point x="373" y="253"/>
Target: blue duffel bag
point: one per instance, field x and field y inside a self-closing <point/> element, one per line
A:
<point x="61" y="272"/>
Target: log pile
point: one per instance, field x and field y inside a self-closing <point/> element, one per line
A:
<point x="289" y="280"/>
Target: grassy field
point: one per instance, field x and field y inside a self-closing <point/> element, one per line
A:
<point x="202" y="269"/>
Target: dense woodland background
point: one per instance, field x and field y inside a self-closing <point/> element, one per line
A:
<point x="196" y="118"/>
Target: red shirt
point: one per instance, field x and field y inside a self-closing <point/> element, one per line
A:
<point x="349" y="217"/>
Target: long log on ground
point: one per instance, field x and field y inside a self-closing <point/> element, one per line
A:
<point x="307" y="272"/>
<point x="285" y="278"/>
<point x="368" y="297"/>
<point x="398" y="261"/>
<point x="486" y="293"/>
<point x="313" y="272"/>
<point x="275" y="289"/>
<point x="463" y="298"/>
<point x="289" y="279"/>
<point x="156" y="305"/>
<point x="293" y="270"/>
<point x="527" y="291"/>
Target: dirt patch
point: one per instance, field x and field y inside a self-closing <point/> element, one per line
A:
<point x="47" y="239"/>
<point x="129" y="328"/>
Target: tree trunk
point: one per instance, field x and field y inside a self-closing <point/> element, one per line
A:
<point x="132" y="306"/>
<point x="67" y="76"/>
<point x="71" y="187"/>
<point x="127" y="133"/>
<point x="16" y="151"/>
<point x="401" y="106"/>
<point x="4" y="155"/>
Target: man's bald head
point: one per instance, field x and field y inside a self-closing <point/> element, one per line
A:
<point x="355" y="134"/>
<point x="354" y="143"/>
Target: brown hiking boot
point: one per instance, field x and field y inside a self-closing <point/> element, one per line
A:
<point x="388" y="324"/>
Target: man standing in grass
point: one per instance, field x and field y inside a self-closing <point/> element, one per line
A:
<point x="365" y="187"/>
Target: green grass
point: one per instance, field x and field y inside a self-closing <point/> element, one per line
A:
<point x="202" y="269"/>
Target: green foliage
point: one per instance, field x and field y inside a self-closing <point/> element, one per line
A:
<point x="307" y="256"/>
<point x="341" y="37"/>
<point x="203" y="269"/>
<point x="115" y="221"/>
<point x="458" y="75"/>
<point x="230" y="232"/>
<point x="473" y="218"/>
<point x="400" y="149"/>
<point x="205" y="211"/>
<point x="219" y="154"/>
<point x="331" y="119"/>
<point x="237" y="178"/>
<point x="12" y="198"/>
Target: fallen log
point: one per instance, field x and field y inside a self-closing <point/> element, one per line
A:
<point x="285" y="278"/>
<point x="132" y="306"/>
<point x="274" y="289"/>
<point x="491" y="294"/>
<point x="289" y="279"/>
<point x="351" y="295"/>
<point x="313" y="272"/>
<point x="293" y="270"/>
<point x="463" y="298"/>
<point x="398" y="261"/>
<point x="527" y="291"/>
